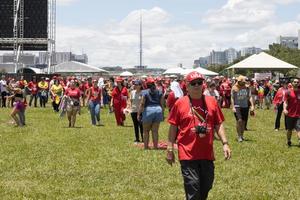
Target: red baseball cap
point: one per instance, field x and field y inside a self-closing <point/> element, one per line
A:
<point x="193" y="76"/>
<point x="119" y="79"/>
<point x="150" y="80"/>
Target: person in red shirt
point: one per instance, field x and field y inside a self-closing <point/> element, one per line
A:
<point x="119" y="101"/>
<point x="278" y="103"/>
<point x="225" y="92"/>
<point x="94" y="96"/>
<point x="73" y="105"/>
<point x="193" y="120"/>
<point x="291" y="108"/>
<point x="33" y="88"/>
<point x="174" y="95"/>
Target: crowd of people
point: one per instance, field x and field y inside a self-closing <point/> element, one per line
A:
<point x="145" y="99"/>
<point x="194" y="103"/>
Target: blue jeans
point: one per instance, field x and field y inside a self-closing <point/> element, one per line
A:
<point x="95" y="111"/>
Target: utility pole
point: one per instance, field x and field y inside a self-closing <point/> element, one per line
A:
<point x="141" y="40"/>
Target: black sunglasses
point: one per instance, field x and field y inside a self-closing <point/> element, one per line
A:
<point x="194" y="83"/>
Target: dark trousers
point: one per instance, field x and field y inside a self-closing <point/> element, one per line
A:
<point x="33" y="97"/>
<point x="55" y="106"/>
<point x="43" y="101"/>
<point x="138" y="127"/>
<point x="198" y="177"/>
<point x="247" y="117"/>
<point x="278" y="116"/>
<point x="3" y="99"/>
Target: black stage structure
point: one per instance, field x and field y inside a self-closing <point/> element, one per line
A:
<point x="28" y="25"/>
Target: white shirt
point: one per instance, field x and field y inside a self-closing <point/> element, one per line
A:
<point x="3" y="86"/>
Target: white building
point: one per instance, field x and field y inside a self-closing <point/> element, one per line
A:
<point x="250" y="51"/>
<point x="290" y="42"/>
<point x="231" y="55"/>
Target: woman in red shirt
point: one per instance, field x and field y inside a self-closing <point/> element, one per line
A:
<point x="119" y="101"/>
<point x="73" y="105"/>
<point x="94" y="96"/>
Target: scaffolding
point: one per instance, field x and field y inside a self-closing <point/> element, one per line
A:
<point x="18" y="40"/>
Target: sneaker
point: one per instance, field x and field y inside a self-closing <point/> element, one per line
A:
<point x="289" y="143"/>
<point x="276" y="129"/>
<point x="99" y="123"/>
<point x="240" y="139"/>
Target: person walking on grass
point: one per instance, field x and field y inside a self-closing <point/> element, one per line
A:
<point x="56" y="94"/>
<point x="18" y="111"/>
<point x="152" y="110"/>
<point x="291" y="108"/>
<point x="119" y="101"/>
<point x="33" y="90"/>
<point x="94" y="96"/>
<point x="73" y="103"/>
<point x="278" y="103"/>
<point x="3" y="91"/>
<point x="240" y="97"/>
<point x="43" y="92"/>
<point x="193" y="120"/>
<point x="133" y="104"/>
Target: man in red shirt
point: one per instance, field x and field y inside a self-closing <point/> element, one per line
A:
<point x="193" y="120"/>
<point x="291" y="108"/>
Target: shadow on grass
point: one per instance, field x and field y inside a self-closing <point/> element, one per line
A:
<point x="76" y="127"/>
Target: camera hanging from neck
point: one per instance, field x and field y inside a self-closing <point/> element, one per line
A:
<point x="195" y="112"/>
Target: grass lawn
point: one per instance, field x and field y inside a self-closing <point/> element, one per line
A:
<point x="47" y="160"/>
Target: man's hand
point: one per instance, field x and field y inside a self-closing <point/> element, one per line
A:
<point x="252" y="108"/>
<point x="170" y="157"/>
<point x="285" y="112"/>
<point x="227" y="151"/>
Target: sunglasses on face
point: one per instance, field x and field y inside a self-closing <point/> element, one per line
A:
<point x="194" y="83"/>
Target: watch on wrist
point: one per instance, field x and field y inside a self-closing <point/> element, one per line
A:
<point x="225" y="143"/>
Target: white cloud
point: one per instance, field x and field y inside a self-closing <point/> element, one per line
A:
<point x="166" y="44"/>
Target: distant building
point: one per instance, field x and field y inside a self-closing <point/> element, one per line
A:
<point x="217" y="58"/>
<point x="81" y="58"/>
<point x="231" y="55"/>
<point x="203" y="61"/>
<point x="61" y="57"/>
<point x="289" y="42"/>
<point x="27" y="58"/>
<point x="250" y="51"/>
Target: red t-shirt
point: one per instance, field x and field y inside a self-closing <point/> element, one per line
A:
<point x="190" y="145"/>
<point x="33" y="86"/>
<point x="95" y="94"/>
<point x="73" y="93"/>
<point x="171" y="100"/>
<point x="120" y="97"/>
<point x="293" y="100"/>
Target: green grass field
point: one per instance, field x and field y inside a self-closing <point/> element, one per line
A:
<point x="47" y="160"/>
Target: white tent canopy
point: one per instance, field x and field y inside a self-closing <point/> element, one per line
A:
<point x="174" y="71"/>
<point x="262" y="61"/>
<point x="201" y="71"/>
<point x="126" y="73"/>
<point x="77" y="67"/>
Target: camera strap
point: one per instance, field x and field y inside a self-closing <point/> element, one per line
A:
<point x="195" y="112"/>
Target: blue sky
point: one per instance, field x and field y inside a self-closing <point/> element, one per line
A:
<point x="176" y="31"/>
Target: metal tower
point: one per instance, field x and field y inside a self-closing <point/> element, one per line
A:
<point x="141" y="41"/>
